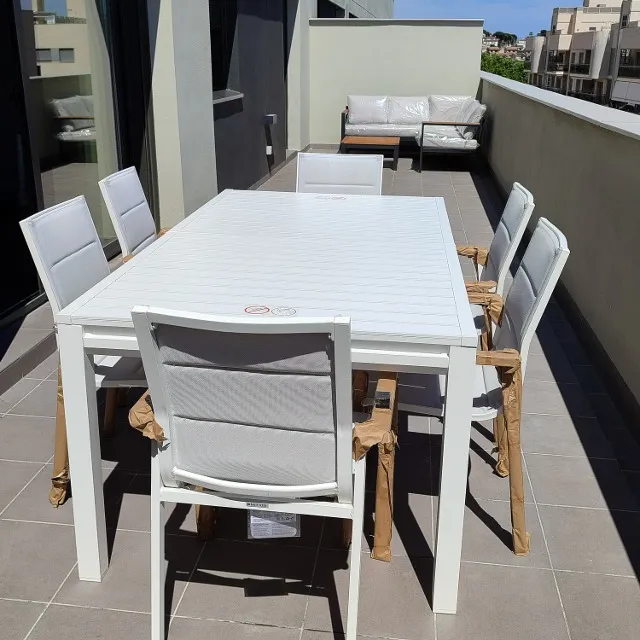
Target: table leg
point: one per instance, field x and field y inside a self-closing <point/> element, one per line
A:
<point x="453" y="479"/>
<point x="78" y="380"/>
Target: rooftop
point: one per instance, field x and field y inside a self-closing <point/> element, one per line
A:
<point x="582" y="482"/>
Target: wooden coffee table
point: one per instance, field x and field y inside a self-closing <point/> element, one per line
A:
<point x="383" y="143"/>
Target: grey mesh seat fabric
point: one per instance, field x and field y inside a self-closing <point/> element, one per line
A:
<point x="508" y="235"/>
<point x="258" y="413"/>
<point x="524" y="305"/>
<point x="339" y="173"/>
<point x="505" y="243"/>
<point x="68" y="255"/>
<point x="129" y="210"/>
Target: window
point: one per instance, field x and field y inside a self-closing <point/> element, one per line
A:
<point x="44" y="55"/>
<point x="67" y="55"/>
<point x="223" y="16"/>
<point x="625" y="21"/>
<point x="592" y="28"/>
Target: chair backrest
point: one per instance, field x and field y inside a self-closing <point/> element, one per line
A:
<point x="508" y="236"/>
<point x="339" y="173"/>
<point x="129" y="210"/>
<point x="251" y="406"/>
<point x="531" y="290"/>
<point x="66" y="250"/>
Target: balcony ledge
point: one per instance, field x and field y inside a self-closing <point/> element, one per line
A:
<point x="627" y="124"/>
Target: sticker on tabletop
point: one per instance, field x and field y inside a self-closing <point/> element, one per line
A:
<point x="283" y="311"/>
<point x="257" y="309"/>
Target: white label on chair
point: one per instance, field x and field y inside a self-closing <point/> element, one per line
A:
<point x="271" y="524"/>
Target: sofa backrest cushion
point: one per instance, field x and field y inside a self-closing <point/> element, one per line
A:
<point x="74" y="109"/>
<point x="402" y="110"/>
<point x="367" y="109"/>
<point x="447" y="108"/>
<point x="472" y="112"/>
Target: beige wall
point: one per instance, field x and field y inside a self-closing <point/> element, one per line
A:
<point x="64" y="36"/>
<point x="584" y="179"/>
<point x="397" y="57"/>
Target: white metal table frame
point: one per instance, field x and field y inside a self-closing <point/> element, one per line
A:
<point x="83" y="331"/>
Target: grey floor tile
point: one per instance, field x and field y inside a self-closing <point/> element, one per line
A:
<point x="596" y="541"/>
<point x="402" y="582"/>
<point x="625" y="447"/>
<point x="45" y="369"/>
<point x="73" y="623"/>
<point x="550" y="368"/>
<point x="188" y="629"/>
<point x="555" y="399"/>
<point x="17" y="392"/>
<point x="127" y="583"/>
<point x="40" y="402"/>
<point x="599" y="607"/>
<point x="34" y="559"/>
<point x="579" y="482"/>
<point x="328" y="635"/>
<point x="505" y="602"/>
<point x="13" y="477"/>
<point x="29" y="439"/>
<point x="22" y="342"/>
<point x="250" y="582"/>
<point x="40" y="318"/>
<point x="564" y="436"/>
<point x="487" y="535"/>
<point x="33" y="503"/>
<point x="17" y="618"/>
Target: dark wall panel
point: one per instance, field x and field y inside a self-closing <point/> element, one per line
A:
<point x="259" y="57"/>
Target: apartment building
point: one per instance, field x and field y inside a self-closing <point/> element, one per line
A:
<point x="196" y="99"/>
<point x="625" y="56"/>
<point x="590" y="52"/>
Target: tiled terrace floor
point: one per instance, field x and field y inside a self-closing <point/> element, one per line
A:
<point x="582" y="484"/>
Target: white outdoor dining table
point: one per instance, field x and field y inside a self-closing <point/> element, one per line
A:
<point x="388" y="262"/>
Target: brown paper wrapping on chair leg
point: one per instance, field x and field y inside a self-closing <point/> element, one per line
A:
<point x="359" y="389"/>
<point x="60" y="479"/>
<point x="142" y="418"/>
<point x="381" y="430"/>
<point x="512" y="392"/>
<point x="500" y="437"/>
<point x="477" y="254"/>
<point x="507" y="361"/>
<point x="347" y="533"/>
<point x="483" y="286"/>
<point x="205" y="519"/>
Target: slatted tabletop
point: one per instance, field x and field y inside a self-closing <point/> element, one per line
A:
<point x="387" y="262"/>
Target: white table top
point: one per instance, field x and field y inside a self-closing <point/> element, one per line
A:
<point x="388" y="262"/>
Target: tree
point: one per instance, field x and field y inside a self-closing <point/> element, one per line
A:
<point x="486" y="33"/>
<point x="503" y="66"/>
<point x="543" y="32"/>
<point x="506" y="38"/>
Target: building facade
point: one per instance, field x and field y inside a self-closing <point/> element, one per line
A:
<point x="583" y="51"/>
<point x="195" y="95"/>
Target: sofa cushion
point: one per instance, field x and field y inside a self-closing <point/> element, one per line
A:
<point x="402" y="130"/>
<point x="445" y="137"/>
<point x="401" y="110"/>
<point x="447" y="108"/>
<point x="471" y="112"/>
<point x="74" y="109"/>
<point x="367" y="109"/>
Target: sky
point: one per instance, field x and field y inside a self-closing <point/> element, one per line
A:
<point x="513" y="16"/>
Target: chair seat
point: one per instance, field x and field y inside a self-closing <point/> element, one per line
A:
<point x="114" y="371"/>
<point x="424" y="394"/>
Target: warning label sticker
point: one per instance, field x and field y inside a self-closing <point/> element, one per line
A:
<point x="257" y="309"/>
<point x="283" y="311"/>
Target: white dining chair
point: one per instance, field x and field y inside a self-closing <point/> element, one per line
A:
<point x="508" y="235"/>
<point x="339" y="173"/>
<point x="524" y="305"/>
<point x="129" y="211"/>
<point x="69" y="258"/>
<point x="272" y="432"/>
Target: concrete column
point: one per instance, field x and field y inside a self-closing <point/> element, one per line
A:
<point x="298" y="81"/>
<point x="182" y="91"/>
